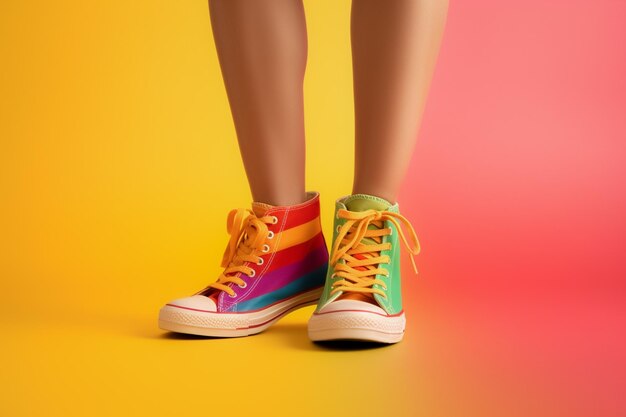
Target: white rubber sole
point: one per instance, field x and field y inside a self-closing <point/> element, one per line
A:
<point x="356" y="325"/>
<point x="206" y="323"/>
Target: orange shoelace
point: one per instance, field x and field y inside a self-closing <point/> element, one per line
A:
<point x="361" y="260"/>
<point x="248" y="237"/>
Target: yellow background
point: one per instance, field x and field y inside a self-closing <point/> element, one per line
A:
<point x="118" y="165"/>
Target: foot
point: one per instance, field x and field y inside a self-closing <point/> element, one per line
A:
<point x="275" y="263"/>
<point x="362" y="298"/>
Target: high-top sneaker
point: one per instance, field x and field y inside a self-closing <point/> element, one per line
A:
<point x="362" y="298"/>
<point x="275" y="262"/>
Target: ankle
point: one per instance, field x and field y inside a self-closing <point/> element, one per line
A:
<point x="281" y="199"/>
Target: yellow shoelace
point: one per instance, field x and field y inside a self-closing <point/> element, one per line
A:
<point x="248" y="236"/>
<point x="360" y="261"/>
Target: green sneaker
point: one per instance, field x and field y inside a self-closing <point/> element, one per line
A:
<point x="362" y="298"/>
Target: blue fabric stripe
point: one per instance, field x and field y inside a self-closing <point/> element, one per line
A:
<point x="306" y="282"/>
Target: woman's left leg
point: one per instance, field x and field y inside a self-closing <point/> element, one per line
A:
<point x="395" y="44"/>
<point x="394" y="47"/>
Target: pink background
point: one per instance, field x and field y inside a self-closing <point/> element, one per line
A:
<point x="517" y="189"/>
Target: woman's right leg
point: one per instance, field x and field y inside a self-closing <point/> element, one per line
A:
<point x="276" y="259"/>
<point x="262" y="49"/>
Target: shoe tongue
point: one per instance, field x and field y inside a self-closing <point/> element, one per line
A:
<point x="260" y="209"/>
<point x="363" y="202"/>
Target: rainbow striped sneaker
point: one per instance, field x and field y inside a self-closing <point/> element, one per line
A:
<point x="362" y="298"/>
<point x="275" y="263"/>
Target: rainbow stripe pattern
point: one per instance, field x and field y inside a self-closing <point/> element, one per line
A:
<point x="297" y="261"/>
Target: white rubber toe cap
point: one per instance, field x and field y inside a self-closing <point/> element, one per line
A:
<point x="351" y="305"/>
<point x="195" y="302"/>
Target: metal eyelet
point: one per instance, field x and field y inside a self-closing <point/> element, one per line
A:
<point x="337" y="228"/>
<point x="245" y="284"/>
<point x="252" y="274"/>
<point x="270" y="234"/>
<point x="260" y="261"/>
<point x="233" y="296"/>
<point x="266" y="248"/>
<point x="274" y="219"/>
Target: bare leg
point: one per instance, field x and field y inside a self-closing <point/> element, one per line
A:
<point x="394" y="48"/>
<point x="262" y="48"/>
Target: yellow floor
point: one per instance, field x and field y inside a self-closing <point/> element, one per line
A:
<point x="125" y="366"/>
